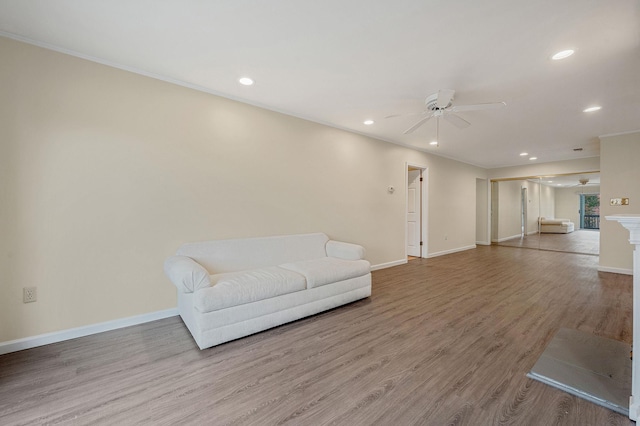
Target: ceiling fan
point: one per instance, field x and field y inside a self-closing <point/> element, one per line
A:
<point x="584" y="182"/>
<point x="440" y="105"/>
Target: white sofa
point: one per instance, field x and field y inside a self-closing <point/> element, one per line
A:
<point x="555" y="226"/>
<point x="232" y="288"/>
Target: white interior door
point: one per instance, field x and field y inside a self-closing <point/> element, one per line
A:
<point x="413" y="213"/>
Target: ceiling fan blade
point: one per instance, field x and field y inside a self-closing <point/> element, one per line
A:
<point x="445" y="96"/>
<point x="418" y="124"/>
<point x="492" y="105"/>
<point x="411" y="114"/>
<point x="456" y="121"/>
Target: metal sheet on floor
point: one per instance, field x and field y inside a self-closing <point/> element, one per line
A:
<point x="587" y="366"/>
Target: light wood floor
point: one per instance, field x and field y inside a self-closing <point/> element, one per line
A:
<point x="442" y="341"/>
<point x="585" y="241"/>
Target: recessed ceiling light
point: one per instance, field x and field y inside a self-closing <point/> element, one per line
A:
<point x="524" y="154"/>
<point x="558" y="184"/>
<point x="245" y="81"/>
<point x="562" y="55"/>
<point x="533" y="158"/>
<point x="592" y="108"/>
<point x="433" y="143"/>
<point x="368" y="122"/>
<point x="549" y="181"/>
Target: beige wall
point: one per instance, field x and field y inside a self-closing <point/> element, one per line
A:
<point x="568" y="205"/>
<point x="495" y="206"/>
<point x="104" y="173"/>
<point x="509" y="223"/>
<point x="540" y="202"/>
<point x="547" y="201"/>
<point x="568" y="202"/>
<point x="482" y="212"/>
<point x="452" y="197"/>
<point x="533" y="205"/>
<point x="619" y="177"/>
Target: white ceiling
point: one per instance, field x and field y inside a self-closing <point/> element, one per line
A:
<point x="340" y="62"/>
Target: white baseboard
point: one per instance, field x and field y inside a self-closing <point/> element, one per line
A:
<point x="455" y="250"/>
<point x="388" y="264"/>
<point x="499" y="240"/>
<point x="483" y="243"/>
<point x="73" y="333"/>
<point x="440" y="253"/>
<point x="615" y="270"/>
<point x="634" y="409"/>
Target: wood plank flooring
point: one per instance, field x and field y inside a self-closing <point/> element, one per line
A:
<point x="442" y="341"/>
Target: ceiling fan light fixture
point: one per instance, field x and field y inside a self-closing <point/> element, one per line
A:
<point x="440" y="105"/>
<point x="563" y="54"/>
<point x="592" y="108"/>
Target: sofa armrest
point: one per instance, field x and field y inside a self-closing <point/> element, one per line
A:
<point x="344" y="251"/>
<point x="186" y="274"/>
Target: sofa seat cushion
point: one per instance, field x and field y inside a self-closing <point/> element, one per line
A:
<point x="237" y="288"/>
<point x="554" y="221"/>
<point x="563" y="228"/>
<point x="327" y="270"/>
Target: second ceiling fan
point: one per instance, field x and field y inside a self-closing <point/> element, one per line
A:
<point x="441" y="105"/>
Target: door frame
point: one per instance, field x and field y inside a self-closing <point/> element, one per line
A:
<point x="524" y="211"/>
<point x="424" y="204"/>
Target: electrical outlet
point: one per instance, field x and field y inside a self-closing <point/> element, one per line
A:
<point x="29" y="294"/>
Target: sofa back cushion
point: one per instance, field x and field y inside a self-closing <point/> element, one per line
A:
<point x="221" y="256"/>
<point x="328" y="270"/>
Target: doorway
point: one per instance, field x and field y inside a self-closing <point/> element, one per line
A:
<point x="416" y="185"/>
<point x="589" y="211"/>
